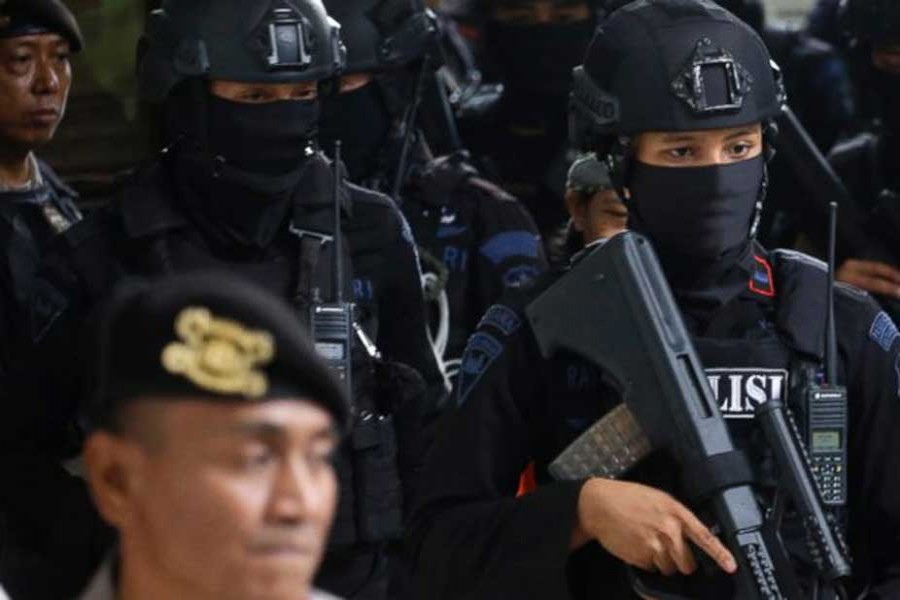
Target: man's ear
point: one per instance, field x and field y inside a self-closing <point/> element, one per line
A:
<point x="577" y="210"/>
<point x="114" y="469"/>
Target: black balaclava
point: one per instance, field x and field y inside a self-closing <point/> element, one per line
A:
<point x="237" y="164"/>
<point x="363" y="122"/>
<point x="539" y="58"/>
<point x="700" y="219"/>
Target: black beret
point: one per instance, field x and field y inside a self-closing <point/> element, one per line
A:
<point x="211" y="335"/>
<point x="30" y="17"/>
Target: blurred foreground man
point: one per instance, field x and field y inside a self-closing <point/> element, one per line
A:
<point x="677" y="98"/>
<point x="215" y="427"/>
<point x="37" y="38"/>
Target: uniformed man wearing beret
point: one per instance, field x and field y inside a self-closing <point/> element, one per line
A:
<point x="214" y="425"/>
<point x="36" y="39"/>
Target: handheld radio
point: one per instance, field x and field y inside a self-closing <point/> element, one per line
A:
<point x="826" y="405"/>
<point x="332" y="322"/>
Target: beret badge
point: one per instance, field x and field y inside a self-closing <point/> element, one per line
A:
<point x="219" y="355"/>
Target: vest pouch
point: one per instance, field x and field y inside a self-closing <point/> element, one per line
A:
<point x="379" y="500"/>
<point x="401" y="392"/>
<point x="343" y="531"/>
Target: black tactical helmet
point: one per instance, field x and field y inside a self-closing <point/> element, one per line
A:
<point x="382" y="35"/>
<point x="672" y="65"/>
<point x="259" y="41"/>
<point x="871" y="20"/>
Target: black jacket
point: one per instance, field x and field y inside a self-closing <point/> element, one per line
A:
<point x="145" y="233"/>
<point x="472" y="538"/>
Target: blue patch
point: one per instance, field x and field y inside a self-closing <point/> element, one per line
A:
<point x="520" y="276"/>
<point x="502" y="318"/>
<point x="761" y="277"/>
<point x="450" y="231"/>
<point x="481" y="352"/>
<point x="883" y="331"/>
<point x="456" y="259"/>
<point x="511" y="243"/>
<point x="363" y="290"/>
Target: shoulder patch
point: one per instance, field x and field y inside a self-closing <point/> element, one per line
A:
<point x="883" y="331"/>
<point x="511" y="243"/>
<point x="502" y="318"/>
<point x="481" y="352"/>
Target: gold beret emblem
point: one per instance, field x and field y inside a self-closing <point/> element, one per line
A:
<point x="218" y="355"/>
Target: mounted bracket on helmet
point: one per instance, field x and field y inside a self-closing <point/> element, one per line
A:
<point x="693" y="84"/>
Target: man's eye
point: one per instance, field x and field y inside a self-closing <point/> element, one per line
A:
<point x="254" y="97"/>
<point x="255" y="459"/>
<point x="680" y="152"/>
<point x="741" y="149"/>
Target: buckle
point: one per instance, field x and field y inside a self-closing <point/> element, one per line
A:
<point x="690" y="85"/>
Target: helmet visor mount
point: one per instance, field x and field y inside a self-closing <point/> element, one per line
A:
<point x="289" y="40"/>
<point x="713" y="81"/>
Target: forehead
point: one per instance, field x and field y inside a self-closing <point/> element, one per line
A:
<point x="36" y="41"/>
<point x="701" y="135"/>
<point x="196" y="420"/>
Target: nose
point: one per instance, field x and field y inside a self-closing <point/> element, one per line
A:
<point x="298" y="493"/>
<point x="47" y="78"/>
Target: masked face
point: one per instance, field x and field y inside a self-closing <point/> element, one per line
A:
<point x="539" y="57"/>
<point x="361" y="120"/>
<point x="696" y="194"/>
<point x="244" y="154"/>
<point x="697" y="212"/>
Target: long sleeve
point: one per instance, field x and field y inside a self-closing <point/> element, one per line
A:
<point x="873" y="351"/>
<point x="470" y="536"/>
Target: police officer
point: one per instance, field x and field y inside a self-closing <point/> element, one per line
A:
<point x="866" y="161"/>
<point x="689" y="145"/>
<point x="214" y="429"/>
<point x="242" y="186"/>
<point x="530" y="47"/>
<point x="475" y="241"/>
<point x="36" y="40"/>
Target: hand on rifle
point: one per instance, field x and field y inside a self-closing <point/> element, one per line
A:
<point x="645" y="528"/>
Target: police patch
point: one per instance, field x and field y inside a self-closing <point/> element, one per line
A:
<point x="740" y="391"/>
<point x="481" y="352"/>
<point x="883" y="331"/>
<point x="502" y="318"/>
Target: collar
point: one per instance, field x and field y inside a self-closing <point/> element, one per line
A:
<point x="35" y="178"/>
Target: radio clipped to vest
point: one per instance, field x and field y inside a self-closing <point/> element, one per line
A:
<point x="331" y="323"/>
<point x="826" y="406"/>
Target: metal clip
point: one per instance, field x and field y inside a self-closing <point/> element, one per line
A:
<point x="323" y="238"/>
<point x="288" y="41"/>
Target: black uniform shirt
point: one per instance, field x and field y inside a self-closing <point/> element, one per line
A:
<point x="473" y="539"/>
<point x="29" y="219"/>
<point x="483" y="238"/>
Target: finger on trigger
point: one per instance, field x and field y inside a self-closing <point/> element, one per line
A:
<point x="706" y="541"/>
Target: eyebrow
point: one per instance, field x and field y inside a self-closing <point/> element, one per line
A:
<point x="741" y="133"/>
<point x="269" y="430"/>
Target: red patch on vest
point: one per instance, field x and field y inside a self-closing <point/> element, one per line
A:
<point x="761" y="281"/>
